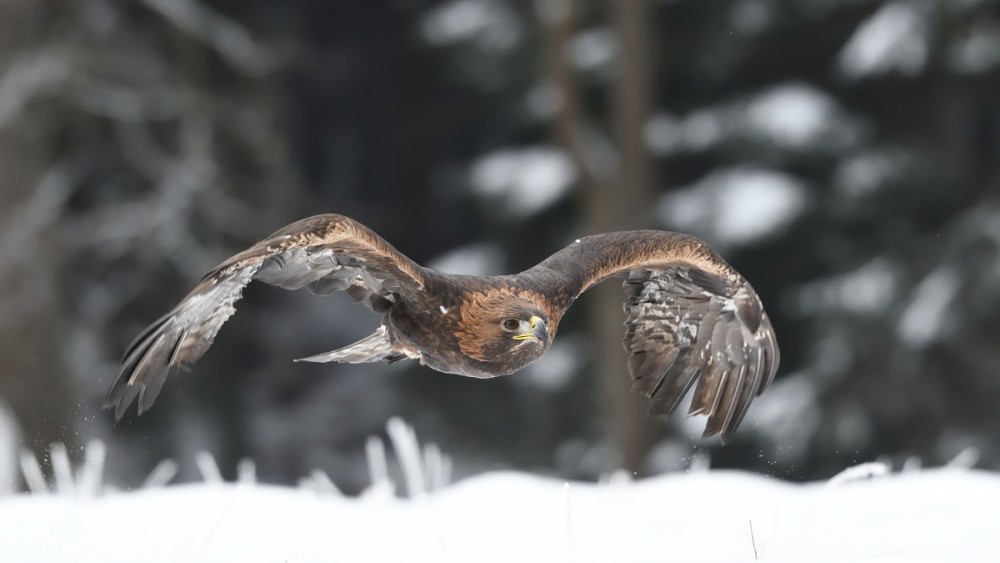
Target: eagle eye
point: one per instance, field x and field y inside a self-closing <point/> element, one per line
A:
<point x="510" y="325"/>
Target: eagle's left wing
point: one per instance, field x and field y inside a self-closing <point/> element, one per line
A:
<point x="324" y="253"/>
<point x="690" y="318"/>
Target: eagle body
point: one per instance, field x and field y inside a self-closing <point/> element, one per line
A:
<point x="689" y="316"/>
<point x="443" y="325"/>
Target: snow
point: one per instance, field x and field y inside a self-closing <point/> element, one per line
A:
<point x="593" y="49"/>
<point x="735" y="206"/>
<point x="556" y="368"/>
<point x="893" y="39"/>
<point x="787" y="415"/>
<point x="864" y="173"/>
<point x="489" y="24"/>
<point x="666" y="134"/>
<point x="542" y="101"/>
<point x="750" y="17"/>
<point x="523" y="181"/>
<point x="868" y="290"/>
<point x="864" y="513"/>
<point x="859" y="472"/>
<point x="926" y="315"/>
<point x="791" y="115"/>
<point x="9" y="434"/>
<point x="932" y="515"/>
<point x="475" y="259"/>
<point x="977" y="52"/>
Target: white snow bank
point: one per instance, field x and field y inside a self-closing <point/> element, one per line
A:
<point x="937" y="515"/>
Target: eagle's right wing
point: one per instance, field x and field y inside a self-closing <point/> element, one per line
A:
<point x="684" y="326"/>
<point x="691" y="319"/>
<point x="325" y="253"/>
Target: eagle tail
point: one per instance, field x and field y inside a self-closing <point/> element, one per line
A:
<point x="373" y="348"/>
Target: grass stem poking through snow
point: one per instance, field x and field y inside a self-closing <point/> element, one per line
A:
<point x="965" y="459"/>
<point x="404" y="441"/>
<point x="378" y="468"/>
<point x="437" y="467"/>
<point x="89" y="474"/>
<point x="162" y="474"/>
<point x="320" y="482"/>
<point x="32" y="472"/>
<point x="569" y="524"/>
<point x="700" y="462"/>
<point x="209" y="469"/>
<point x="246" y="472"/>
<point x="62" y="471"/>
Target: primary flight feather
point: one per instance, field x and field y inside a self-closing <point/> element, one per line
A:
<point x="690" y="317"/>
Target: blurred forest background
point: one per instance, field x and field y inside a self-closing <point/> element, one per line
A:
<point x="843" y="154"/>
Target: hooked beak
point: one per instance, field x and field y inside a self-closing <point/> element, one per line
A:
<point x="535" y="329"/>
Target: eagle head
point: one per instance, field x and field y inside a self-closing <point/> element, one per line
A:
<point x="504" y="332"/>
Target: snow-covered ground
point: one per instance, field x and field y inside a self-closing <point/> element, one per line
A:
<point x="866" y="513"/>
<point x="932" y="515"/>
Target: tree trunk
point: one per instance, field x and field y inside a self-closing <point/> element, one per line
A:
<point x="611" y="200"/>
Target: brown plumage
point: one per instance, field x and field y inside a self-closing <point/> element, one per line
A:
<point x="690" y="317"/>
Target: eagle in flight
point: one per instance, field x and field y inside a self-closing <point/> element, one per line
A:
<point x="690" y="317"/>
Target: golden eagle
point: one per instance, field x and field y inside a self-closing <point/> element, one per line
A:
<point x="689" y="315"/>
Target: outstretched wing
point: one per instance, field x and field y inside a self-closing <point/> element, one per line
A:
<point x="683" y="326"/>
<point x="690" y="318"/>
<point x="325" y="253"/>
